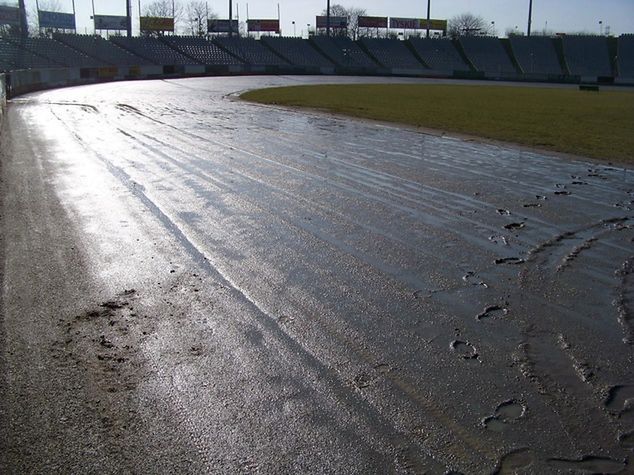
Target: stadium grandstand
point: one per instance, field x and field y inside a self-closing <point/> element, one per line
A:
<point x="106" y="52"/>
<point x="587" y="56"/>
<point x="297" y="52"/>
<point x="202" y="50"/>
<point x="392" y="54"/>
<point x="250" y="51"/>
<point x="344" y="52"/>
<point x="560" y="59"/>
<point x="536" y="55"/>
<point x="625" y="56"/>
<point x="57" y="53"/>
<point x="488" y="55"/>
<point x="439" y="54"/>
<point x="153" y="50"/>
<point x="14" y="56"/>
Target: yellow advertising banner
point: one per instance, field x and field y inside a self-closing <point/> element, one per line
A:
<point x="149" y="23"/>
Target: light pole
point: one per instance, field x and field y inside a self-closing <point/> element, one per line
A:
<point x="230" y="18"/>
<point x="328" y="18"/>
<point x="530" y="17"/>
<point x="428" y="16"/>
<point x="128" y="13"/>
<point x="24" y="29"/>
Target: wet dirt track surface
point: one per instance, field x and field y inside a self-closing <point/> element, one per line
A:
<point x="196" y="284"/>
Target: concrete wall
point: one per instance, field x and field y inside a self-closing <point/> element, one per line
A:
<point x="3" y="96"/>
<point x="25" y="81"/>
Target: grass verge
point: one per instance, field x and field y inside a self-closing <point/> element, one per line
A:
<point x="598" y="125"/>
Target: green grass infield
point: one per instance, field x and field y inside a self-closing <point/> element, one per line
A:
<point x="599" y="125"/>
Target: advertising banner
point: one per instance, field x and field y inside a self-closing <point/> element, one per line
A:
<point x="405" y="23"/>
<point x="111" y="22"/>
<point x="150" y="23"/>
<point x="372" y="22"/>
<point x="436" y="25"/>
<point x="64" y="21"/>
<point x="9" y="15"/>
<point x="417" y="24"/>
<point x="263" y="25"/>
<point x="335" y="22"/>
<point x="222" y="26"/>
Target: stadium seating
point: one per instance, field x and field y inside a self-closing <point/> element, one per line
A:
<point x="13" y="56"/>
<point x="106" y="52"/>
<point x="297" y="52"/>
<point x="625" y="56"/>
<point x="5" y="65"/>
<point x="57" y="53"/>
<point x="153" y="50"/>
<point x="344" y="52"/>
<point x="439" y="54"/>
<point x="569" y="58"/>
<point x="487" y="55"/>
<point x="587" y="56"/>
<point x="536" y="55"/>
<point x="250" y="51"/>
<point x="393" y="54"/>
<point x="201" y="49"/>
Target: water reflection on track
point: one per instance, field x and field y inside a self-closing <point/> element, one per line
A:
<point x="273" y="290"/>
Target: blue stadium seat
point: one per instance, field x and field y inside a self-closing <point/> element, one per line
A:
<point x="439" y="54"/>
<point x="393" y="54"/>
<point x="536" y="55"/>
<point x="487" y="55"/>
<point x="250" y="51"/>
<point x="344" y="52"/>
<point x="202" y="50"/>
<point x="587" y="56"/>
<point x="297" y="52"/>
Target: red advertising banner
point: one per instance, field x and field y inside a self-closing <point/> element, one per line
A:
<point x="222" y="26"/>
<point x="263" y="25"/>
<point x="335" y="22"/>
<point x="405" y="23"/>
<point x="372" y="22"/>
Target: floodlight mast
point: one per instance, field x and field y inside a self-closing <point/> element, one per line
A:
<point x="128" y="9"/>
<point x="428" y="16"/>
<point x="230" y="17"/>
<point x="530" y="17"/>
<point x="24" y="29"/>
<point x="328" y="18"/>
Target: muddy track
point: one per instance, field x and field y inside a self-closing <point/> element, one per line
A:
<point x="275" y="291"/>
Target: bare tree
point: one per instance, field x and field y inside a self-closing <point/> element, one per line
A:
<point x="163" y="9"/>
<point x="352" y="13"/>
<point x="32" y="16"/>
<point x="513" y="32"/>
<point x="468" y="24"/>
<point x="196" y="18"/>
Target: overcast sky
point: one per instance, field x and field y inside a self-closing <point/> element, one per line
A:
<point x="556" y="15"/>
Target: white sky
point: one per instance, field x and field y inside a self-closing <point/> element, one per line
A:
<point x="557" y="15"/>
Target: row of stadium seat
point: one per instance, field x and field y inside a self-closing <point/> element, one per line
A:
<point x="585" y="56"/>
